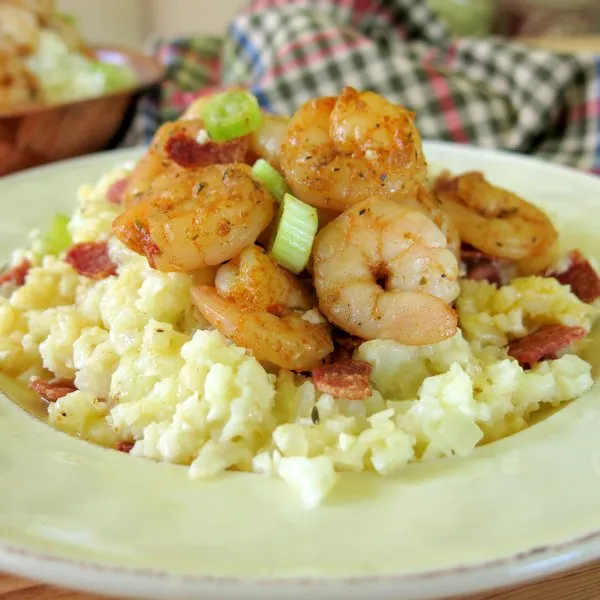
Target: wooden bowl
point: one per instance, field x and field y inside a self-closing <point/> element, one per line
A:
<point x="37" y="134"/>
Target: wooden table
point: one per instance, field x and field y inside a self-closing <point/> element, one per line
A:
<point x="581" y="584"/>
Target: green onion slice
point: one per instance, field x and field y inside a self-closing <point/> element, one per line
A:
<point x="296" y="229"/>
<point x="271" y="178"/>
<point x="230" y="115"/>
<point x="58" y="237"/>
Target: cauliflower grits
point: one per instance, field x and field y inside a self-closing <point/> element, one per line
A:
<point x="130" y="355"/>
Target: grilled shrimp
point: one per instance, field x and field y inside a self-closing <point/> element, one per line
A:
<point x="340" y="151"/>
<point x="263" y="308"/>
<point x="158" y="159"/>
<point x="19" y="29"/>
<point x="192" y="218"/>
<point x="382" y="270"/>
<point x="254" y="278"/>
<point x="18" y="85"/>
<point x="498" y="222"/>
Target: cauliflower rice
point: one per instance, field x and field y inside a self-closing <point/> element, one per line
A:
<point x="147" y="371"/>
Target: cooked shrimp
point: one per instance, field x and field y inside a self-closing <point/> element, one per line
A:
<point x="158" y="159"/>
<point x="261" y="307"/>
<point x="340" y="151"/>
<point x="498" y="222"/>
<point x="19" y="30"/>
<point x="435" y="211"/>
<point x="265" y="142"/>
<point x="193" y="218"/>
<point x="18" y="85"/>
<point x="253" y="277"/>
<point x="382" y="270"/>
<point x="42" y="9"/>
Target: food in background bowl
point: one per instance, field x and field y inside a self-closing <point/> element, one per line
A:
<point x="195" y="310"/>
<point x="44" y="60"/>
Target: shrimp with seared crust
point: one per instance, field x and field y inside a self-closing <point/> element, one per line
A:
<point x="262" y="307"/>
<point x="498" y="222"/>
<point x="341" y="150"/>
<point x="162" y="154"/>
<point x="193" y="218"/>
<point x="382" y="270"/>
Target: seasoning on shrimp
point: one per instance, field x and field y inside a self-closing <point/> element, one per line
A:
<point x="192" y="218"/>
<point x="341" y="150"/>
<point x="260" y="306"/>
<point x="498" y="222"/>
<point x="382" y="270"/>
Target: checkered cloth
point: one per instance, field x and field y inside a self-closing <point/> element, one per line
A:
<point x="486" y="92"/>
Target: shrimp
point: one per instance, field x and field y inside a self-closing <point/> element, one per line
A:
<point x="382" y="270"/>
<point x="434" y="210"/>
<point x="254" y="278"/>
<point x="18" y="85"/>
<point x="498" y="222"/>
<point x="19" y="29"/>
<point x="192" y="218"/>
<point x="340" y="151"/>
<point x="265" y="142"/>
<point x="262" y="307"/>
<point x="158" y="159"/>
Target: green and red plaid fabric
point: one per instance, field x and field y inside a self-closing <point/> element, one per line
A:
<point x="487" y="92"/>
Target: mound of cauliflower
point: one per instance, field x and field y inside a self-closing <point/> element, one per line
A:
<point x="150" y="374"/>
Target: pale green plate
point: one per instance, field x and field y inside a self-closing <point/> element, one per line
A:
<point x="78" y="515"/>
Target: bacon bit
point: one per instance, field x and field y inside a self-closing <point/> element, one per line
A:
<point x="188" y="153"/>
<point x="544" y="343"/>
<point x="17" y="274"/>
<point x="480" y="266"/>
<point x="125" y="446"/>
<point x="91" y="259"/>
<point x="114" y="194"/>
<point x="485" y="271"/>
<point x="581" y="276"/>
<point x="52" y="389"/>
<point x="347" y="379"/>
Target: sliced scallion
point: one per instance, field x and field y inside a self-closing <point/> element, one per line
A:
<point x="296" y="229"/>
<point x="57" y="237"/>
<point x="270" y="177"/>
<point x="230" y="115"/>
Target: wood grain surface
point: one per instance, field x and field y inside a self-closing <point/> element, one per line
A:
<point x="580" y="584"/>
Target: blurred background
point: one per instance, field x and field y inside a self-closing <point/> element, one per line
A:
<point x="135" y="22"/>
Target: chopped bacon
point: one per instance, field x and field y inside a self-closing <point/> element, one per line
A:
<point x="581" y="276"/>
<point x="346" y="379"/>
<point x="480" y="266"/>
<point x="544" y="343"/>
<point x="115" y="192"/>
<point x="188" y="153"/>
<point x="485" y="271"/>
<point x="91" y="259"/>
<point x="125" y="446"/>
<point x="17" y="274"/>
<point x="52" y="389"/>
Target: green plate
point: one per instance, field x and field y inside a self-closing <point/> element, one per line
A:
<point x="81" y="516"/>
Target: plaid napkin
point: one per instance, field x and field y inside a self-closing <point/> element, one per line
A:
<point x="487" y="92"/>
